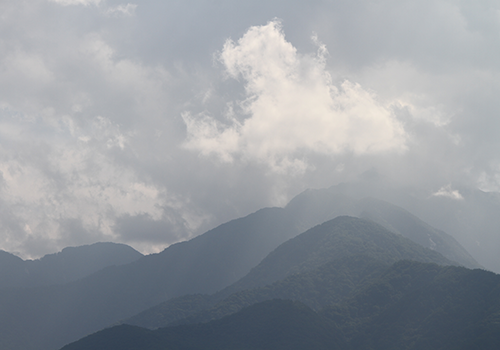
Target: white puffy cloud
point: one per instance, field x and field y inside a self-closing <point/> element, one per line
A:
<point x="292" y="106"/>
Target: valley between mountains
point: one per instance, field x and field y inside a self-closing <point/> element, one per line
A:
<point x="337" y="268"/>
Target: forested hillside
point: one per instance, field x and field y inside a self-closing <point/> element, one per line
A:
<point x="410" y="305"/>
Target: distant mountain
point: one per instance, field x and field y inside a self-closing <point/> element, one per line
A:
<point x="411" y="305"/>
<point x="204" y="264"/>
<point x="12" y="269"/>
<point x="71" y="264"/>
<point x="468" y="214"/>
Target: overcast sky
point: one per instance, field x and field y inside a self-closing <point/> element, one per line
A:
<point x="150" y="122"/>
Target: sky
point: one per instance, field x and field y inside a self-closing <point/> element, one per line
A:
<point x="150" y="122"/>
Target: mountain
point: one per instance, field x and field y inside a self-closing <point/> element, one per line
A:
<point x="12" y="269"/>
<point x="327" y="284"/>
<point x="203" y="265"/>
<point x="469" y="214"/>
<point x="322" y="264"/>
<point x="51" y="316"/>
<point x="342" y="236"/>
<point x="71" y="264"/>
<point x="410" y="305"/>
<point x="316" y="206"/>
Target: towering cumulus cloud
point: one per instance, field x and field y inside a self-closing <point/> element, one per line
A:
<point x="291" y="107"/>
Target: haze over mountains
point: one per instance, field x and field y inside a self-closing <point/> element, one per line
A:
<point x="468" y="214"/>
<point x="227" y="256"/>
<point x="362" y="298"/>
<point x="334" y="246"/>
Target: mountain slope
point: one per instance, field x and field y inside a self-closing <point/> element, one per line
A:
<point x="400" y="221"/>
<point x="204" y="264"/>
<point x="330" y="283"/>
<point x="342" y="236"/>
<point x="272" y="325"/>
<point x="424" y="306"/>
<point x="323" y="265"/>
<point x="312" y="207"/>
<point x="470" y="215"/>
<point x="12" y="269"/>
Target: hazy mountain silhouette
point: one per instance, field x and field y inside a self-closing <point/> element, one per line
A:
<point x="12" y="269"/>
<point x="207" y="263"/>
<point x="316" y="206"/>
<point x="71" y="264"/>
<point x="468" y="214"/>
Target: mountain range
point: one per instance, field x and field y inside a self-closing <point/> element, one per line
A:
<point x="238" y="264"/>
<point x="410" y="305"/>
<point x="364" y="304"/>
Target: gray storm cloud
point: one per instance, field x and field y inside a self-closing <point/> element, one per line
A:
<point x="178" y="117"/>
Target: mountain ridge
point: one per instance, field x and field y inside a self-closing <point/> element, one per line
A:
<point x="205" y="264"/>
<point x="70" y="264"/>
<point x="335" y="241"/>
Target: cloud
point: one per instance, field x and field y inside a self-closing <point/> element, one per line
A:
<point x="114" y="116"/>
<point x="73" y="117"/>
<point x="291" y="106"/>
<point x="121" y="10"/>
<point x="77" y="2"/>
<point x="448" y="192"/>
<point x="71" y="177"/>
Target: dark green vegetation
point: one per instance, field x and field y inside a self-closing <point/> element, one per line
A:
<point x="409" y="305"/>
<point x="328" y="284"/>
<point x="47" y="317"/>
<point x="423" y="306"/>
<point x="71" y="264"/>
